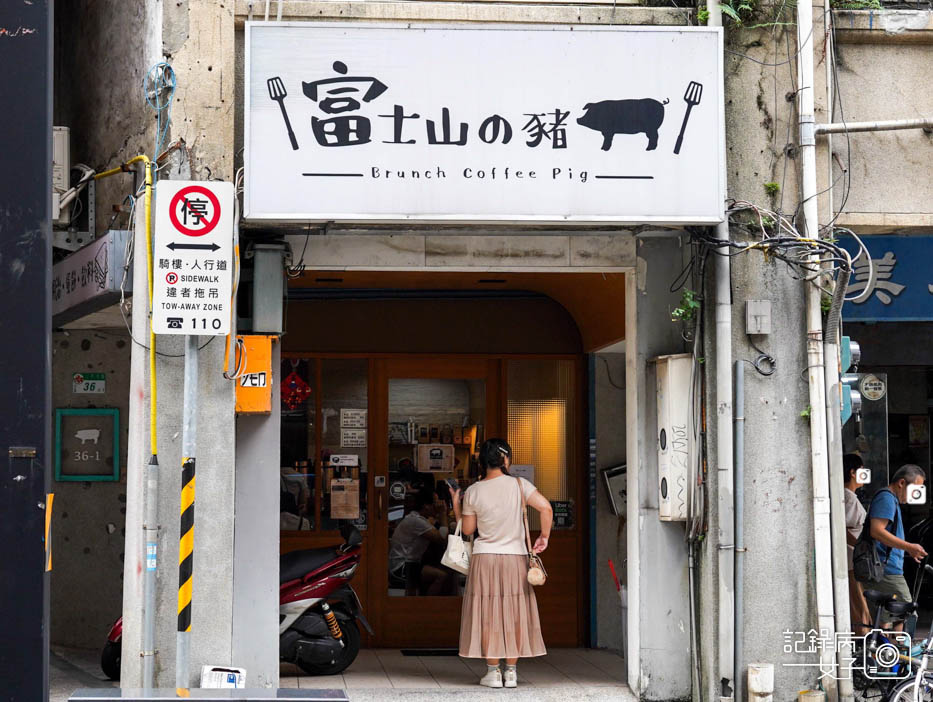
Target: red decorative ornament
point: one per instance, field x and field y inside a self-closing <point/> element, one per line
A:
<point x="295" y="391"/>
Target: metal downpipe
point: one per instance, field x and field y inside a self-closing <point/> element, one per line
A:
<point x="739" y="444"/>
<point x="815" y="361"/>
<point x="729" y="665"/>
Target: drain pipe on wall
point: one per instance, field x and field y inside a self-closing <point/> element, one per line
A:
<point x="730" y="680"/>
<point x="822" y="540"/>
<point x="739" y="449"/>
<point x="836" y="484"/>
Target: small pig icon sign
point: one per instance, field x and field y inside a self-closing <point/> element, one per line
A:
<point x="611" y="117"/>
<point x="88" y="435"/>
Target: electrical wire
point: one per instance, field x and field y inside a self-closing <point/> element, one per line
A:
<point x="159" y="87"/>
<point x="609" y="375"/>
<point x="763" y="358"/>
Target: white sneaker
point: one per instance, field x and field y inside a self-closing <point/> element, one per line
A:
<point x="511" y="677"/>
<point x="492" y="679"/>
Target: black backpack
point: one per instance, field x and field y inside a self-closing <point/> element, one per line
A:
<point x="866" y="564"/>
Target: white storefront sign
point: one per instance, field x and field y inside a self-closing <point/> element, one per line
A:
<point x="192" y="258"/>
<point x="354" y="122"/>
<point x="90" y="279"/>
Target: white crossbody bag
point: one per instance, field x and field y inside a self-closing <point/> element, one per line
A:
<point x="458" y="553"/>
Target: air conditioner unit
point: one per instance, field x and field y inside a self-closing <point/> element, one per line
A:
<point x="676" y="442"/>
<point x="61" y="172"/>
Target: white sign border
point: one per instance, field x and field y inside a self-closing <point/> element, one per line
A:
<point x="279" y="217"/>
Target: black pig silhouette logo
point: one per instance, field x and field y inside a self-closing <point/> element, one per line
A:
<point x="611" y="117"/>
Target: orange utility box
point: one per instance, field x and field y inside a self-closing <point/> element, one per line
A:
<point x="254" y="386"/>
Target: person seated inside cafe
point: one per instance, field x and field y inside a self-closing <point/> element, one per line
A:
<point x="411" y="539"/>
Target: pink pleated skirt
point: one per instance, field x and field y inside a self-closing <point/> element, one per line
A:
<point x="499" y="618"/>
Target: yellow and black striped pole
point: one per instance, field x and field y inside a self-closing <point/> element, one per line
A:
<point x="186" y="545"/>
<point x="186" y="527"/>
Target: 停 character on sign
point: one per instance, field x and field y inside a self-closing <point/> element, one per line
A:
<point x="194" y="210"/>
<point x="336" y="96"/>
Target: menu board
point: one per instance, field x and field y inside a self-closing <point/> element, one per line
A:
<point x="345" y="499"/>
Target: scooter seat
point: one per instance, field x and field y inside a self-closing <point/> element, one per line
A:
<point x="296" y="564"/>
<point x="899" y="608"/>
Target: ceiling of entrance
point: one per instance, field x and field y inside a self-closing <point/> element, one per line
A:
<point x="596" y="301"/>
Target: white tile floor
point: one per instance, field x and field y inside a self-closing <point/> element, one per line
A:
<point x="385" y="675"/>
<point x="388" y="668"/>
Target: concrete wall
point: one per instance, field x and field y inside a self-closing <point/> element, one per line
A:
<point x="610" y="529"/>
<point x="659" y="622"/>
<point x="778" y="483"/>
<point x="103" y="51"/>
<point x="88" y="518"/>
<point x="256" y="542"/>
<point x="882" y="60"/>
<point x="198" y="39"/>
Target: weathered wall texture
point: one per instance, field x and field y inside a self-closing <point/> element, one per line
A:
<point x="891" y="187"/>
<point x="659" y="653"/>
<point x="103" y="51"/>
<point x="779" y="576"/>
<point x="88" y="519"/>
<point x="198" y="40"/>
<point x="761" y="138"/>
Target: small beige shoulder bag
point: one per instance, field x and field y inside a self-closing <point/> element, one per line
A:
<point x="537" y="575"/>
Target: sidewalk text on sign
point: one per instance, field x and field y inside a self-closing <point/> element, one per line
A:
<point x="193" y="258"/>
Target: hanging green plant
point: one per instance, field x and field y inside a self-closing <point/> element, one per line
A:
<point x="686" y="311"/>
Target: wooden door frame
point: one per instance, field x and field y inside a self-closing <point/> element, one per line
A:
<point x="391" y="613"/>
<point x="428" y="366"/>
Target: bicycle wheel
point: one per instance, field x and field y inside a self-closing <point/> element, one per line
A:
<point x="906" y="690"/>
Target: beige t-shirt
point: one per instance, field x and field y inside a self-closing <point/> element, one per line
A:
<point x="855" y="519"/>
<point x="497" y="504"/>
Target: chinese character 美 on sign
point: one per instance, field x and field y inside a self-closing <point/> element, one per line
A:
<point x="874" y="278"/>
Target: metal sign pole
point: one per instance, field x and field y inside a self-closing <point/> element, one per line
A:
<point x="186" y="532"/>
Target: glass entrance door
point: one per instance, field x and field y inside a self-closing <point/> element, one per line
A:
<point x="435" y="414"/>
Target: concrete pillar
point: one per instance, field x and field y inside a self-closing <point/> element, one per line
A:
<point x="212" y="602"/>
<point x="198" y="38"/>
<point x="778" y="499"/>
<point x="609" y="378"/>
<point x="256" y="542"/>
<point x="659" y="623"/>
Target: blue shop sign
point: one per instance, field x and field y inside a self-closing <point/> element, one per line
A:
<point x="897" y="287"/>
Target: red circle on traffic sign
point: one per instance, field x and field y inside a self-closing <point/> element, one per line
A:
<point x="181" y="197"/>
<point x="171" y="278"/>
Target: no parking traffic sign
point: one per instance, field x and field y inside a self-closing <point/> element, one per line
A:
<point x="192" y="258"/>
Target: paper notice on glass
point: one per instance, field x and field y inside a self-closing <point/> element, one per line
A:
<point x="345" y="499"/>
<point x="523" y="471"/>
<point x="352" y="418"/>
<point x="353" y="438"/>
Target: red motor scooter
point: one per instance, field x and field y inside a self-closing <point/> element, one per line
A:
<point x="318" y="610"/>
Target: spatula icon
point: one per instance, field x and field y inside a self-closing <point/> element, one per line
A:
<point x="277" y="92"/>
<point x="692" y="98"/>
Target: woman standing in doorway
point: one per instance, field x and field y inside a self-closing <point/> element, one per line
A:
<point x="500" y="614"/>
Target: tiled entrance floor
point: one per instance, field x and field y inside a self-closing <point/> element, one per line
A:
<point x="575" y="672"/>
